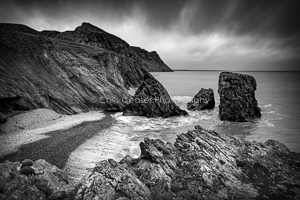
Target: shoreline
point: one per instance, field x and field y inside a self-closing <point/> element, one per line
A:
<point x="57" y="145"/>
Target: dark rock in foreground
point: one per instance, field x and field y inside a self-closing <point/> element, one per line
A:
<point x="152" y="100"/>
<point x="203" y="100"/>
<point x="39" y="181"/>
<point x="237" y="97"/>
<point x="200" y="165"/>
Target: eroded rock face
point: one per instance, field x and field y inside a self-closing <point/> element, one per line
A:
<point x="203" y="100"/>
<point x="91" y="35"/>
<point x="112" y="180"/>
<point x="200" y="165"/>
<point x="152" y="100"/>
<point x="237" y="97"/>
<point x="70" y="72"/>
<point x="38" y="181"/>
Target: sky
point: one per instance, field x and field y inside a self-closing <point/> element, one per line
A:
<point x="236" y="35"/>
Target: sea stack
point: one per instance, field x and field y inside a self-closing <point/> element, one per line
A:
<point x="152" y="100"/>
<point x="203" y="100"/>
<point x="237" y="97"/>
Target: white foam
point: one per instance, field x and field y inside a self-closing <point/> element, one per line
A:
<point x="127" y="132"/>
<point x="265" y="106"/>
<point x="269" y="112"/>
<point x="110" y="143"/>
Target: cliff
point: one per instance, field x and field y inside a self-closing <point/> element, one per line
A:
<point x="91" y="35"/>
<point x="70" y="72"/>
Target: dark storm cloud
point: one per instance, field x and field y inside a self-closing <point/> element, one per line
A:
<point x="277" y="17"/>
<point x="16" y="10"/>
<point x="198" y="29"/>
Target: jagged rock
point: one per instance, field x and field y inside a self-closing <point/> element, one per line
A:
<point x="152" y="100"/>
<point x="70" y="72"/>
<point x="112" y="180"/>
<point x="40" y="181"/>
<point x="201" y="164"/>
<point x="203" y="100"/>
<point x="237" y="97"/>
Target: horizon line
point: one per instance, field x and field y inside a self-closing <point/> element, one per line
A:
<point x="236" y="70"/>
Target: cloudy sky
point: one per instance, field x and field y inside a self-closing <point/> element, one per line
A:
<point x="187" y="34"/>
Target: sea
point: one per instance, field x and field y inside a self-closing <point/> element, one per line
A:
<point x="278" y="96"/>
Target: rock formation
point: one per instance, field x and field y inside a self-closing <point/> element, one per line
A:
<point x="237" y="97"/>
<point x="70" y="72"/>
<point x="91" y="35"/>
<point x="39" y="181"/>
<point x="203" y="100"/>
<point x="112" y="180"/>
<point x="152" y="100"/>
<point x="200" y="165"/>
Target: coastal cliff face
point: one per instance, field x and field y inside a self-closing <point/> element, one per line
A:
<point x="237" y="97"/>
<point x="91" y="35"/>
<point x="70" y="72"/>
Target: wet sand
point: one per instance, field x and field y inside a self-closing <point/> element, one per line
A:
<point x="56" y="146"/>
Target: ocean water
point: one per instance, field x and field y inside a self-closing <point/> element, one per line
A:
<point x="278" y="95"/>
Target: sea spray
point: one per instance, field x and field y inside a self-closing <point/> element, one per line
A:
<point x="127" y="132"/>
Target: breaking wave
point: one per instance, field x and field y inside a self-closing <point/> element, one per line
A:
<point x="127" y="132"/>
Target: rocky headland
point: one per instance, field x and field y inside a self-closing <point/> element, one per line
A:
<point x="200" y="164"/>
<point x="89" y="69"/>
<point x="69" y="72"/>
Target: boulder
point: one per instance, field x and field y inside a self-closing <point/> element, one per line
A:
<point x="237" y="97"/>
<point x="152" y="100"/>
<point x="201" y="164"/>
<point x="41" y="180"/>
<point x="203" y="100"/>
